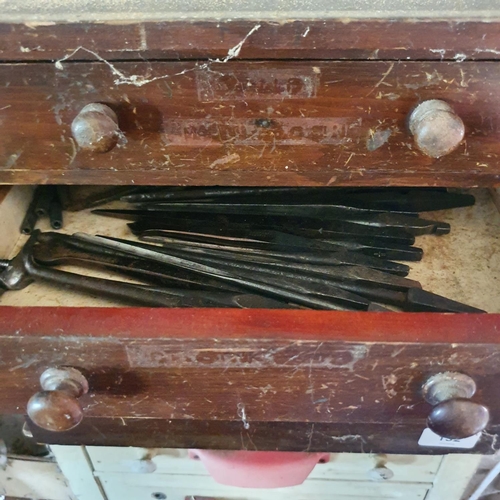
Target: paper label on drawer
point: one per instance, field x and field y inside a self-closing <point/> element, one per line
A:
<point x="429" y="438"/>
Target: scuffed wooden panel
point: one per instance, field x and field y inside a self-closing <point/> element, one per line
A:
<point x="367" y="39"/>
<point x="249" y="381"/>
<point x="280" y="123"/>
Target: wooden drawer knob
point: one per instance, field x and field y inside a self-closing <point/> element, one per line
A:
<point x="96" y="128"/>
<point x="437" y="129"/>
<point x="454" y="415"/>
<point x="56" y="408"/>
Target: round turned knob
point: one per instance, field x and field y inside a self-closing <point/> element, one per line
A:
<point x="454" y="416"/>
<point x="96" y="128"/>
<point x="437" y="129"/>
<point x="56" y="408"/>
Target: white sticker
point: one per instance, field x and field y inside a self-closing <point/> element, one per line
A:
<point x="429" y="438"/>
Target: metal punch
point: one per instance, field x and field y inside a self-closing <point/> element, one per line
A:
<point x="311" y="258"/>
<point x="300" y="226"/>
<point x="247" y="236"/>
<point x="277" y="241"/>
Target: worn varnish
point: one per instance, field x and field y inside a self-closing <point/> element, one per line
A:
<point x="245" y="371"/>
<point x="260" y="123"/>
<point x="398" y="39"/>
<point x="283" y="436"/>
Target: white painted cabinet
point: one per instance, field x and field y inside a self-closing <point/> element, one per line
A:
<point x="109" y="473"/>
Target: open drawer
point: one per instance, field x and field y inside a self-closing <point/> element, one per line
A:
<point x="260" y="379"/>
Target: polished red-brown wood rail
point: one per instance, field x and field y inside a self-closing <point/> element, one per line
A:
<point x="242" y="123"/>
<point x="323" y="380"/>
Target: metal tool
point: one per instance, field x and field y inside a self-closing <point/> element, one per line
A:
<point x="30" y="219"/>
<point x="56" y="249"/>
<point x="44" y="198"/>
<point x="359" y="274"/>
<point x="75" y="198"/>
<point x="387" y="199"/>
<point x="365" y="282"/>
<point x="377" y="218"/>
<point x="246" y="237"/>
<point x="311" y="258"/>
<point x="300" y="226"/>
<point x="308" y="283"/>
<point x="423" y="301"/>
<point x="279" y="242"/>
<point x="22" y="271"/>
<point x="60" y="249"/>
<point x="244" y="229"/>
<point x="55" y="213"/>
<point x="224" y="275"/>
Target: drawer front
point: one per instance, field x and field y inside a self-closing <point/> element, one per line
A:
<point x="127" y="486"/>
<point x="290" y="379"/>
<point x="257" y="123"/>
<point x="347" y="467"/>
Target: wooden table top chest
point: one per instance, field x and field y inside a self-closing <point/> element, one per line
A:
<point x="298" y="101"/>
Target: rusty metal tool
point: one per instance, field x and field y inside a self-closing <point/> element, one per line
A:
<point x="23" y="270"/>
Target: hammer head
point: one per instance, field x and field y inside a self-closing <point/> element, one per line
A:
<point x="17" y="275"/>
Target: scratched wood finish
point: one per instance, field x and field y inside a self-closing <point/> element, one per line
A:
<point x="183" y="378"/>
<point x="295" y="39"/>
<point x="260" y="123"/>
<point x="161" y="323"/>
<point x="249" y="381"/>
<point x="270" y="436"/>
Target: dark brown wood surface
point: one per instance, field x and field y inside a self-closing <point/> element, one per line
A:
<point x="260" y="123"/>
<point x="247" y="379"/>
<point x="270" y="436"/>
<point x="423" y="39"/>
<point x="218" y="371"/>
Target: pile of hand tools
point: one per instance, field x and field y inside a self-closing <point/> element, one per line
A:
<point x="319" y="248"/>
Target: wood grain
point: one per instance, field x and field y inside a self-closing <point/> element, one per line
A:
<point x="284" y="436"/>
<point x="191" y="323"/>
<point x="249" y="382"/>
<point x="260" y="123"/>
<point x="397" y="39"/>
<point x="196" y="377"/>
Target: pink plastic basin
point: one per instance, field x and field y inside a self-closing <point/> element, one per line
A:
<point x="259" y="469"/>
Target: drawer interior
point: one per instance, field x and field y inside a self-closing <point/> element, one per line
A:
<point x="463" y="265"/>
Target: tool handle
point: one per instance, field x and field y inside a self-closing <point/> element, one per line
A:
<point x="128" y="292"/>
